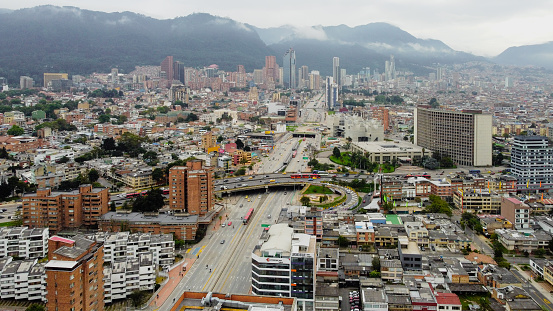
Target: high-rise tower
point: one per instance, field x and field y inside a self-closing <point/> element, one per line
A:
<point x="336" y="70"/>
<point x="167" y="69"/>
<point x="289" y="66"/>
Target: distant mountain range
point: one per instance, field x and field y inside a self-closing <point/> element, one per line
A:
<point x="68" y="39"/>
<point x="540" y="55"/>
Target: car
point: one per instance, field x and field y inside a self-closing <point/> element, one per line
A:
<point x="269" y="216"/>
<point x="251" y="177"/>
<point x="241" y="205"/>
<point x="261" y="181"/>
<point x="422" y="248"/>
<point x="433" y="248"/>
<point x="285" y="193"/>
<point x="222" y="241"/>
<point x="272" y="180"/>
<point x="266" y="176"/>
<point x="223" y="225"/>
<point x="259" y="196"/>
<point x="229" y="223"/>
<point x="310" y="179"/>
<point x="225" y="180"/>
<point x="364" y="201"/>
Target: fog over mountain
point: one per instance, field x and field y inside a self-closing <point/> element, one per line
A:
<point x="68" y="39"/>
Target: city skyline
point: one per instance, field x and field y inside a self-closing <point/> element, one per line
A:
<point x="482" y="28"/>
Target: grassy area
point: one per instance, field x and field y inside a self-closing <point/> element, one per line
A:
<point x="338" y="201"/>
<point x="291" y="128"/>
<point x="330" y="112"/>
<point x="318" y="190"/>
<point x="9" y="224"/>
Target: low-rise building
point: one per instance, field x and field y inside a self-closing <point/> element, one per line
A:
<point x="519" y="241"/>
<point x="391" y="270"/>
<point x="184" y="227"/>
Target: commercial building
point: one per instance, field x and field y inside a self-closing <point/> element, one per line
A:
<point x="410" y="256"/>
<point x="336" y="71"/>
<point x="191" y="189"/>
<point x="289" y="69"/>
<point x="26" y="82"/>
<point x="464" y="136"/>
<point x="75" y="274"/>
<point x="167" y="70"/>
<point x="183" y="227"/>
<point x="531" y="163"/>
<point x="23" y="242"/>
<point x="331" y="94"/>
<point x="389" y="151"/>
<point x="284" y="265"/>
<point x="58" y="210"/>
<point x="518" y="213"/>
<point x="54" y="76"/>
<point x="479" y="201"/>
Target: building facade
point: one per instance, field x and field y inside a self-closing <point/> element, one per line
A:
<point x="531" y="159"/>
<point x="289" y="69"/>
<point x="191" y="188"/>
<point x="57" y="210"/>
<point x="23" y="242"/>
<point x="464" y="136"/>
<point x="75" y="274"/>
<point x="285" y="265"/>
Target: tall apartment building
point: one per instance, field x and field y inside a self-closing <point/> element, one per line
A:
<point x="48" y="77"/>
<point x="23" y="242"/>
<point x="121" y="278"/>
<point x="532" y="163"/>
<point x="382" y="114"/>
<point x="289" y="69"/>
<point x="191" y="188"/>
<point x="58" y="210"/>
<point x="285" y="265"/>
<point x="518" y="213"/>
<point x="464" y="136"/>
<point x="314" y="80"/>
<point x="75" y="274"/>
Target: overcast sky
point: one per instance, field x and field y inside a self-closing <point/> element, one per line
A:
<point x="481" y="27"/>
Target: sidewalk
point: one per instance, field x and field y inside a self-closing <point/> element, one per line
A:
<point x="539" y="286"/>
<point x="175" y="276"/>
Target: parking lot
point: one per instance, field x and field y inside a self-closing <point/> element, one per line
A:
<point x="8" y="211"/>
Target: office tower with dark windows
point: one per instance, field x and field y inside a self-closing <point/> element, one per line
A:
<point x="336" y="70"/>
<point x="167" y="70"/>
<point x="289" y="69"/>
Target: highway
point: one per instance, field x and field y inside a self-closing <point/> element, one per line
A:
<point x="225" y="267"/>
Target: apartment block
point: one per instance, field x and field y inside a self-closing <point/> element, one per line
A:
<point x="58" y="210"/>
<point x="75" y="274"/>
<point x="518" y="213"/>
<point x="23" y="242"/>
<point x="183" y="227"/>
<point x="464" y="136"/>
<point x="191" y="188"/>
<point x="123" y="277"/>
<point x="284" y="265"/>
<point x="22" y="280"/>
<point x="120" y="246"/>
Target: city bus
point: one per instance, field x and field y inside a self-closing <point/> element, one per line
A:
<point x="249" y="215"/>
<point x="417" y="175"/>
<point x="305" y="175"/>
<point x="132" y="195"/>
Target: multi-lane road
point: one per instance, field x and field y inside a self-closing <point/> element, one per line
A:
<point x="224" y="256"/>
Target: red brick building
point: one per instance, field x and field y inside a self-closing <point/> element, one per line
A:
<point x="64" y="209"/>
<point x="75" y="274"/>
<point x="191" y="188"/>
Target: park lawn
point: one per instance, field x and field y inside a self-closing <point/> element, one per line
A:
<point x="318" y="190"/>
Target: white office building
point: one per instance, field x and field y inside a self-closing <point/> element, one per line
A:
<point x="284" y="265"/>
<point x="532" y="163"/>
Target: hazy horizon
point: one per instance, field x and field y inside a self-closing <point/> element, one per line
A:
<point x="484" y="28"/>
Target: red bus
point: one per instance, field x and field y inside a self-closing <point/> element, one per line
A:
<point x="417" y="175"/>
<point x="144" y="193"/>
<point x="133" y="195"/>
<point x="294" y="154"/>
<point x="305" y="175"/>
<point x="249" y="215"/>
<point x="165" y="191"/>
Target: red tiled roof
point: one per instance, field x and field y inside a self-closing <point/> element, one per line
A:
<point x="447" y="299"/>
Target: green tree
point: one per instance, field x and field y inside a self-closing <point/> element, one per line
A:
<point x="112" y="206"/>
<point x="376" y="263"/>
<point x="220" y="138"/>
<point x="434" y="103"/>
<point x="336" y="152"/>
<point x="16" y="131"/>
<point x="152" y="202"/>
<point x="163" y="109"/>
<point x="158" y="175"/>
<point x="93" y="175"/>
<point x="305" y="201"/>
<point x="104" y="118"/>
<point x="343" y="241"/>
<point x="374" y="274"/>
<point x="239" y="144"/>
<point x="150" y="157"/>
